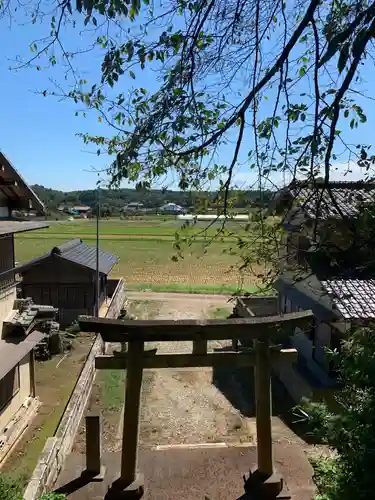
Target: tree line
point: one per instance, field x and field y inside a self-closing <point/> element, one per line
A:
<point x="117" y="199"/>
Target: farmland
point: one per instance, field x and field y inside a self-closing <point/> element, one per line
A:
<point x="145" y="249"/>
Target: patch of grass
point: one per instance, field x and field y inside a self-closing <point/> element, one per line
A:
<point x="153" y="227"/>
<point x="145" y="251"/>
<point x="27" y="462"/>
<point x="220" y="312"/>
<point x="144" y="261"/>
<point x="112" y="389"/>
<point x="143" y="309"/>
<point x="9" y="488"/>
<point x="186" y="288"/>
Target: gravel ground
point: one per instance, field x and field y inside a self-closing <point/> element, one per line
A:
<point x="180" y="406"/>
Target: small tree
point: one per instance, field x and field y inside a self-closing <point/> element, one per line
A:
<point x="350" y="432"/>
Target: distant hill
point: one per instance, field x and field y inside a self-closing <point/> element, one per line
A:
<point x="117" y="199"/>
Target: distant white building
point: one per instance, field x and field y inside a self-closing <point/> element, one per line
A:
<point x="171" y="208"/>
<point x="211" y="217"/>
<point x="133" y="206"/>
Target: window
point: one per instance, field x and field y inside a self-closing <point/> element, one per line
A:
<point x="9" y="386"/>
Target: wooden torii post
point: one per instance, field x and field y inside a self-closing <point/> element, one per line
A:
<point x="263" y="483"/>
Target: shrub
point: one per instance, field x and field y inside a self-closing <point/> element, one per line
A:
<point x="10" y="489"/>
<point x="350" y="432"/>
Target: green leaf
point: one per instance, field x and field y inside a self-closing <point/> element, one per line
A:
<point x="132" y="75"/>
<point x="302" y="71"/>
<point x="94" y="21"/>
<point x="346" y="113"/>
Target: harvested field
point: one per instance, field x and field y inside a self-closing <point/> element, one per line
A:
<point x="146" y="254"/>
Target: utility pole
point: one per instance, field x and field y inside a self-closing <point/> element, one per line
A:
<point x="97" y="286"/>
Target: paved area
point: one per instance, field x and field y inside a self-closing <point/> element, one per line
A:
<point x="195" y="474"/>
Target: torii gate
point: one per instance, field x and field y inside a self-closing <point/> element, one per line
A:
<point x="263" y="483"/>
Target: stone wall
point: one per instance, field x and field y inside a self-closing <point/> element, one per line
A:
<point x="116" y="290"/>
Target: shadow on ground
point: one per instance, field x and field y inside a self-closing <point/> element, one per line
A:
<point x="237" y="385"/>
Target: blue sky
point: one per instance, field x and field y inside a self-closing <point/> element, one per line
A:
<point x="39" y="133"/>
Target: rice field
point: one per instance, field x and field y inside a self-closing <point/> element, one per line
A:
<point x="146" y="254"/>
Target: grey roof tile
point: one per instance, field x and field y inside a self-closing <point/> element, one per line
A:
<point x="12" y="350"/>
<point x="348" y="196"/>
<point x="330" y="298"/>
<point x="78" y="252"/>
<point x="20" y="226"/>
<point x="353" y="298"/>
<point x="84" y="255"/>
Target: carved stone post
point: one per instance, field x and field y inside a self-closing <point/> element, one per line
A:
<point x="94" y="467"/>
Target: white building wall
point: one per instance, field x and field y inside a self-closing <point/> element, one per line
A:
<point x="7" y="413"/>
<point x="317" y="365"/>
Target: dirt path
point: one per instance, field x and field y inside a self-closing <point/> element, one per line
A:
<point x="194" y="407"/>
<point x="185" y="406"/>
<point x="180" y="406"/>
<point x="182" y="304"/>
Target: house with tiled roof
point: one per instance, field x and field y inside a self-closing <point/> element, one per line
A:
<point x="18" y="338"/>
<point x="324" y="266"/>
<point x="65" y="278"/>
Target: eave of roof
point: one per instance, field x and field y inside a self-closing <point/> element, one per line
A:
<point x="78" y="253"/>
<point x="302" y="197"/>
<point x="17" y="226"/>
<point x="20" y="190"/>
<point x="12" y="350"/>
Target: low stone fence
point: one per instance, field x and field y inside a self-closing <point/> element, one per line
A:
<point x="116" y="291"/>
<point x="59" y="446"/>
